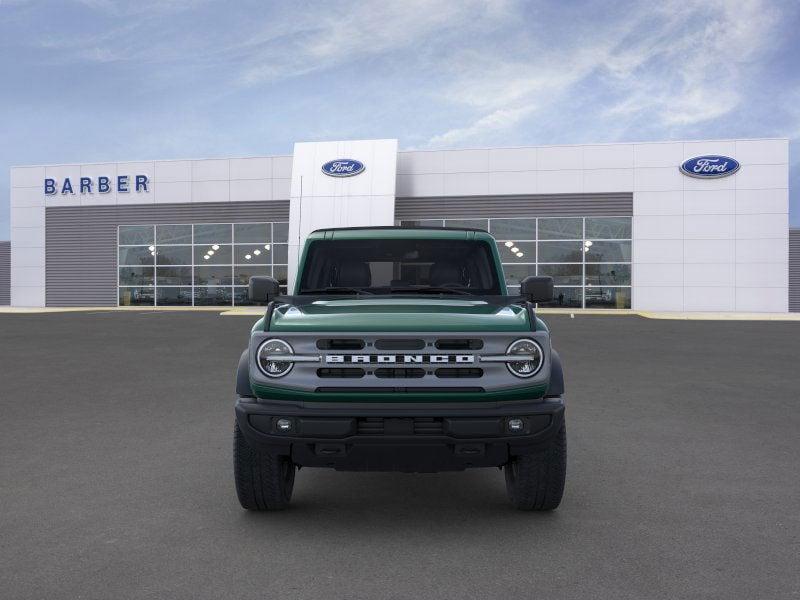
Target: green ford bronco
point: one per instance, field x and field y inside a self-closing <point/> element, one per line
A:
<point x="400" y="350"/>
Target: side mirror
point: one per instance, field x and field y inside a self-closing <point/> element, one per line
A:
<point x="263" y="289"/>
<point x="537" y="289"/>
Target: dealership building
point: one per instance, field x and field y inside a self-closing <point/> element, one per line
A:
<point x="662" y="226"/>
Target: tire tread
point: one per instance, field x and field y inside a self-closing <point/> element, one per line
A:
<point x="536" y="481"/>
<point x="259" y="476"/>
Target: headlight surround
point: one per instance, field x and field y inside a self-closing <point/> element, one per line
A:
<point x="525" y="368"/>
<point x="273" y="368"/>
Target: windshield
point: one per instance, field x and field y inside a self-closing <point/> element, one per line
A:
<point x="412" y="266"/>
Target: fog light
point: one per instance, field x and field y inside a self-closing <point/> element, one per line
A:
<point x="516" y="425"/>
<point x="283" y="424"/>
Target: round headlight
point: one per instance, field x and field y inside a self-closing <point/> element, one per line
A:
<point x="534" y="358"/>
<point x="274" y="367"/>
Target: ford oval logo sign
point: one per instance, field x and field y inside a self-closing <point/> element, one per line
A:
<point x="343" y="167"/>
<point x="710" y="166"/>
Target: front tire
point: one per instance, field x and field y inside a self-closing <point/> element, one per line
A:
<point x="536" y="481"/>
<point x="263" y="481"/>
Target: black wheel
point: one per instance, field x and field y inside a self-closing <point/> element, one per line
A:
<point x="536" y="481"/>
<point x="263" y="481"/>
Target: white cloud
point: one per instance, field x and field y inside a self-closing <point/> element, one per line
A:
<point x="297" y="44"/>
<point x="500" y="119"/>
<point x="672" y="64"/>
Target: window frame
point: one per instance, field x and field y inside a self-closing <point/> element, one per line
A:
<point x="232" y="287"/>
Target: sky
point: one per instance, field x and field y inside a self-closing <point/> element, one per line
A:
<point x="98" y="80"/>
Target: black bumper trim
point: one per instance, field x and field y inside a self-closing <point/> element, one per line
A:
<point x="471" y="434"/>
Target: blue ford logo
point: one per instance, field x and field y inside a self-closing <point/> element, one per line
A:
<point x="710" y="166"/>
<point x="343" y="167"/>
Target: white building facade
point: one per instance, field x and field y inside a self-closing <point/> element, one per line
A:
<point x="616" y="225"/>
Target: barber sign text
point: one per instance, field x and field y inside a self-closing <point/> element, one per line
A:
<point x="122" y="184"/>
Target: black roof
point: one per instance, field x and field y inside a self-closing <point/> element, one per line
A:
<point x="399" y="227"/>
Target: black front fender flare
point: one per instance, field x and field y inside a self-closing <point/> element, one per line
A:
<point x="243" y="377"/>
<point x="556" y="387"/>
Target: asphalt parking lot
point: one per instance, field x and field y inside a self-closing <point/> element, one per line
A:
<point x="116" y="476"/>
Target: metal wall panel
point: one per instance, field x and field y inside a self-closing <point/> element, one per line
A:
<point x="81" y="241"/>
<point x="552" y="205"/>
<point x="794" y="270"/>
<point x="5" y="273"/>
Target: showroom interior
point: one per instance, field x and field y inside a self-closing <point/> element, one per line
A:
<point x="617" y="226"/>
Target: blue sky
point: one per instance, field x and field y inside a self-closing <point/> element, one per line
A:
<point x="98" y="80"/>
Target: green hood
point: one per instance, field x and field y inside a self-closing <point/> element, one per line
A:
<point x="400" y="314"/>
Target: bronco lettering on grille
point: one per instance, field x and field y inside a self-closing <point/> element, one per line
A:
<point x="391" y="359"/>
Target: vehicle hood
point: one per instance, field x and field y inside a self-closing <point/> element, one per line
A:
<point x="400" y="314"/>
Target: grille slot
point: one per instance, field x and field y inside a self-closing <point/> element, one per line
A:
<point x="399" y="373"/>
<point x="340" y="344"/>
<point x="421" y="426"/>
<point x="370" y="426"/>
<point x="428" y="426"/>
<point x="459" y="344"/>
<point x="344" y="373"/>
<point x="400" y="344"/>
<point x="458" y="373"/>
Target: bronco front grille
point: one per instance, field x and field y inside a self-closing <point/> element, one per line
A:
<point x="402" y="362"/>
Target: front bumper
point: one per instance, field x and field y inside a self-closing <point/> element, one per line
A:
<point x="411" y="437"/>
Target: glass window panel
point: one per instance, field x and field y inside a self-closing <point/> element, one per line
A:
<point x="174" y="296"/>
<point x="563" y="274"/>
<point x="280" y="254"/>
<point x="174" y="276"/>
<point x="280" y="232"/>
<point x="561" y="228"/>
<point x="136" y="275"/>
<point x="135" y="296"/>
<point x="251" y="233"/>
<point x="561" y="252"/>
<point x="174" y="234"/>
<point x="468" y="223"/>
<point x="516" y="273"/>
<point x="212" y="296"/>
<point x="507" y="253"/>
<point x="220" y="256"/>
<point x="604" y="274"/>
<point x="204" y="275"/>
<point x="240" y="297"/>
<point x="570" y="297"/>
<point x="281" y="274"/>
<point x="423" y="223"/>
<point x="135" y="234"/>
<point x="251" y="254"/>
<point x="136" y="255"/>
<point x="513" y="290"/>
<point x="217" y="233"/>
<point x="609" y="228"/>
<point x="243" y="273"/>
<point x="608" y="251"/>
<point x="513" y="229"/>
<point x="605" y="297"/>
<point x="174" y="255"/>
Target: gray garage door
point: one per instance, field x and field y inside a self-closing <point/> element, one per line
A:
<point x="794" y="270"/>
<point x="82" y="242"/>
<point x="551" y="205"/>
<point x="5" y="273"/>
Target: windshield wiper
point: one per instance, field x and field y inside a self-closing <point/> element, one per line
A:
<point x="336" y="290"/>
<point x="429" y="289"/>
